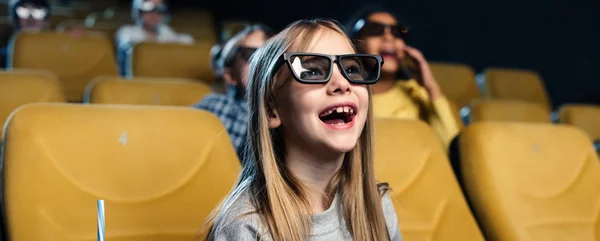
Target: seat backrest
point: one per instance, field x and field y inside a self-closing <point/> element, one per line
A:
<point x="508" y="110"/>
<point x="531" y="181"/>
<point x="457" y="81"/>
<point x="160" y="170"/>
<point x="199" y="33"/>
<point x="145" y="91"/>
<point x="426" y="195"/>
<point x="76" y="61"/>
<point x="175" y="60"/>
<point x="20" y="87"/>
<point x="586" y="117"/>
<point x="69" y="25"/>
<point x="516" y="84"/>
<point x="198" y="23"/>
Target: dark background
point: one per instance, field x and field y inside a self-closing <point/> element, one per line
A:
<point x="559" y="39"/>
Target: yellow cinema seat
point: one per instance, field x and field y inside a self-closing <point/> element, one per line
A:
<point x="175" y="60"/>
<point x="160" y="170"/>
<point x="146" y="91"/>
<point x="22" y="87"/>
<point x="586" y="117"/>
<point x="531" y="181"/>
<point x="75" y="60"/>
<point x="426" y="194"/>
<point x="103" y="28"/>
<point x="457" y="81"/>
<point x="516" y="84"/>
<point x="508" y="110"/>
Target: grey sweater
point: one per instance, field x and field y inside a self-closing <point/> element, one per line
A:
<point x="243" y="224"/>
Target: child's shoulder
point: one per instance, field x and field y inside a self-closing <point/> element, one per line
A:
<point x="391" y="219"/>
<point x="240" y="221"/>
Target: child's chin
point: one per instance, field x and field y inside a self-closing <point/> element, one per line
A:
<point x="343" y="147"/>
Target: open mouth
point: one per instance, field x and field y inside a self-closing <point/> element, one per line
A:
<point x="338" y="115"/>
<point x="388" y="53"/>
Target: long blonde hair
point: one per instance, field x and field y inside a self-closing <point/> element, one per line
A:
<point x="278" y="196"/>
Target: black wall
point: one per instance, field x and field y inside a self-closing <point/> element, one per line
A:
<point x="559" y="39"/>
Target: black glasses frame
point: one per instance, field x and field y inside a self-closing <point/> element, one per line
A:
<point x="403" y="31"/>
<point x="286" y="58"/>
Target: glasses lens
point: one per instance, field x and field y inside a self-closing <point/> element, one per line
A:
<point x="311" y="68"/>
<point x="399" y="31"/>
<point x="361" y="68"/>
<point x="373" y="29"/>
<point x="245" y="53"/>
<point x="22" y="12"/>
<point x="38" y="13"/>
<point x="147" y="6"/>
<point x="152" y="7"/>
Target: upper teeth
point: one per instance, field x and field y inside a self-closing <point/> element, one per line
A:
<point x="341" y="109"/>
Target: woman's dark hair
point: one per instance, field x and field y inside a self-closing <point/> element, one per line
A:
<point x="358" y="19"/>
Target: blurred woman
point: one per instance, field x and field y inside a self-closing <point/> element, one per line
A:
<point x="407" y="88"/>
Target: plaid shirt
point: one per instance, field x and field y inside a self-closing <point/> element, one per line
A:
<point x="232" y="112"/>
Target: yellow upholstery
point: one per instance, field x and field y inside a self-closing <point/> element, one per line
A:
<point x="457" y="81"/>
<point x="200" y="33"/>
<point x="146" y="91"/>
<point x="21" y="87"/>
<point x="160" y="170"/>
<point x="196" y="22"/>
<point x="586" y="117"/>
<point x="508" y="110"/>
<point x="516" y="84"/>
<point x="426" y="195"/>
<point x="175" y="60"/>
<point x="532" y="181"/>
<point x="75" y="61"/>
<point x="108" y="29"/>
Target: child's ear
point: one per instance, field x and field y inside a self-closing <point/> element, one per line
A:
<point x="273" y="117"/>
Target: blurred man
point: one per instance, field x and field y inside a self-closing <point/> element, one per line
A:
<point x="150" y="17"/>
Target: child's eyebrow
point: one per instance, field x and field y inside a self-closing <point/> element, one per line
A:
<point x="314" y="59"/>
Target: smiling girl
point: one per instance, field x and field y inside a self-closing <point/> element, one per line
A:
<point x="308" y="174"/>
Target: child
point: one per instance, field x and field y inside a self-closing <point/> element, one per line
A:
<point x="232" y="67"/>
<point x="308" y="169"/>
<point x="407" y="88"/>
